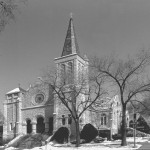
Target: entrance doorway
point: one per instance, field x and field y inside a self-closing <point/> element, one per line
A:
<point x="51" y="125"/>
<point x="40" y="127"/>
<point x="29" y="126"/>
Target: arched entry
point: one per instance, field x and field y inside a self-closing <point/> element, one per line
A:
<point x="50" y="125"/>
<point x="40" y="127"/>
<point x="29" y="126"/>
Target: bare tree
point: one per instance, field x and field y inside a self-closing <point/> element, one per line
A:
<point x="96" y="119"/>
<point x="140" y="107"/>
<point x="8" y="9"/>
<point x="129" y="77"/>
<point x="71" y="95"/>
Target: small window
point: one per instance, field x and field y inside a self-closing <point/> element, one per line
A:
<point x="9" y="96"/>
<point x="79" y="72"/>
<point x="70" y="73"/>
<point x="82" y="72"/>
<point x="11" y="127"/>
<point x="15" y="94"/>
<point x="63" y="74"/>
<point x="103" y="119"/>
<point x="63" y="119"/>
<point x="69" y="119"/>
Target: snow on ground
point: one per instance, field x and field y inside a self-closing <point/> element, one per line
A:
<point x="49" y="147"/>
<point x="82" y="147"/>
<point x="137" y="139"/>
<point x="106" y="145"/>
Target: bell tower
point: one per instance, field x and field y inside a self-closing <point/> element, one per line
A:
<point x="71" y="63"/>
<point x="71" y="68"/>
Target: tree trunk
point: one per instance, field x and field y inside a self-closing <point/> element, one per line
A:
<point x="77" y="133"/>
<point x="123" y="126"/>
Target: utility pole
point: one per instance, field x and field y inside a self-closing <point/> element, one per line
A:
<point x="134" y="124"/>
<point x="111" y="124"/>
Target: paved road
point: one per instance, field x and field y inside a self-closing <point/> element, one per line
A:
<point x="145" y="146"/>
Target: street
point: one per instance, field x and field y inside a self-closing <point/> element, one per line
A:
<point x="145" y="146"/>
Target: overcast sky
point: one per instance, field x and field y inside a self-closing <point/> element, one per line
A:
<point x="37" y="37"/>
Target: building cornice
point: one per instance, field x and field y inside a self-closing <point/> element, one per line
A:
<point x="34" y="107"/>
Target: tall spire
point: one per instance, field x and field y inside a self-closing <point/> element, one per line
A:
<point x="70" y="45"/>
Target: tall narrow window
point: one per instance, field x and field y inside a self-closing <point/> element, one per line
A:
<point x="63" y="74"/>
<point x="11" y="127"/>
<point x="69" y="119"/>
<point x="103" y="119"/>
<point x="79" y="73"/>
<point x="82" y="70"/>
<point x="70" y="73"/>
<point x="63" y="119"/>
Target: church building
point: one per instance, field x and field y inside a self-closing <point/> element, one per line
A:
<point x="37" y="110"/>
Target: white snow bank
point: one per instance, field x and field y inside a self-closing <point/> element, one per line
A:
<point x="14" y="140"/>
<point x="137" y="139"/>
<point x="102" y="146"/>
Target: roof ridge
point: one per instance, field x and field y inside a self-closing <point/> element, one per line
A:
<point x="16" y="90"/>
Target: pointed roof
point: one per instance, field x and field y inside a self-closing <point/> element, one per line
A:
<point x="70" y="45"/>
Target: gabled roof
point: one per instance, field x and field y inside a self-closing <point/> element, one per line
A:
<point x="16" y="90"/>
<point x="70" y="44"/>
<point x="105" y="103"/>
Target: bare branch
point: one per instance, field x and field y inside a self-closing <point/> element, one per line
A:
<point x="8" y="9"/>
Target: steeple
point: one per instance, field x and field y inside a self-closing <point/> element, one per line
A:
<point x="70" y="45"/>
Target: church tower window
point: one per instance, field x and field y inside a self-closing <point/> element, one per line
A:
<point x="63" y="74"/>
<point x="70" y="73"/>
<point x="79" y="73"/>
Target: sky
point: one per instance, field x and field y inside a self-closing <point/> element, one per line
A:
<point x="30" y="44"/>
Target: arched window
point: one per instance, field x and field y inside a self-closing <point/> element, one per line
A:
<point x="29" y="126"/>
<point x="70" y="72"/>
<point x="63" y="120"/>
<point x="79" y="72"/>
<point x="63" y="74"/>
<point x="103" y="119"/>
<point x="69" y="119"/>
<point x="10" y="127"/>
